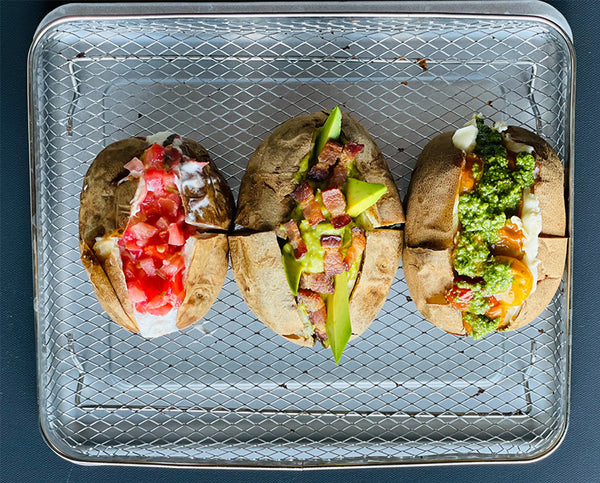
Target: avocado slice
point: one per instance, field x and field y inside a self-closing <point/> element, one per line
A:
<point x="361" y="195"/>
<point x="330" y="130"/>
<point x="292" y="267"/>
<point x="337" y="325"/>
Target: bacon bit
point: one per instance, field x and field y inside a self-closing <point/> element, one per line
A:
<point x="328" y="157"/>
<point x="317" y="312"/>
<point x="295" y="238"/>
<point x="302" y="192"/>
<point x="317" y="282"/>
<point x="311" y="208"/>
<point x="359" y="242"/>
<point x="318" y="172"/>
<point x="351" y="149"/>
<point x="330" y="153"/>
<point x="135" y="166"/>
<point x="338" y="176"/>
<point x="333" y="200"/>
<point x="311" y="300"/>
<point x="333" y="260"/>
<point x="341" y="221"/>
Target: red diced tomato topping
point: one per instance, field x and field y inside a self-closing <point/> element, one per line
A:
<point x="459" y="298"/>
<point x="168" y="207"/>
<point x="136" y="292"/>
<point x="175" y="235"/>
<point x="147" y="265"/>
<point x="154" y="157"/>
<point x="135" y="166"/>
<point x="143" y="232"/>
<point x="152" y="244"/>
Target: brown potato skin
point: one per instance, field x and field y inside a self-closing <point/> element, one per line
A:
<point x="432" y="222"/>
<point x="105" y="206"/>
<point x="258" y="271"/>
<point x="264" y="202"/>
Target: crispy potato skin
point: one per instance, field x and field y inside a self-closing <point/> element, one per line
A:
<point x="264" y="201"/>
<point x="432" y="222"/>
<point x="105" y="207"/>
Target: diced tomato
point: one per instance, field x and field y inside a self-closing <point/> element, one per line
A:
<point x="172" y="265"/>
<point x="136" y="292"/>
<point x="168" y="207"/>
<point x="147" y="265"/>
<point x="129" y="269"/>
<point x="173" y="156"/>
<point x="135" y="166"/>
<point x="154" y="157"/>
<point x="176" y="289"/>
<point x="143" y="232"/>
<point x="459" y="298"/>
<point x="163" y="310"/>
<point x="155" y="181"/>
<point x="162" y="224"/>
<point x="175" y="235"/>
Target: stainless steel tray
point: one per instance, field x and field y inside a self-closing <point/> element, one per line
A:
<point x="227" y="393"/>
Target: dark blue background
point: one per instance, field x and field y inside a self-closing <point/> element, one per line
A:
<point x="25" y="457"/>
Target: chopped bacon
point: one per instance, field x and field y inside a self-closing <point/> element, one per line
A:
<point x="333" y="260"/>
<point x="302" y="193"/>
<point x="341" y="220"/>
<point x="311" y="208"/>
<point x="339" y="174"/>
<point x="330" y="153"/>
<point x="351" y="149"/>
<point x="317" y="282"/>
<point x="317" y="312"/>
<point x="333" y="199"/>
<point x="328" y="157"/>
<point x="358" y="245"/>
<point x="295" y="237"/>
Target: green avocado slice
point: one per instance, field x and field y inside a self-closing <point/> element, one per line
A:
<point x="361" y="195"/>
<point x="337" y="325"/>
<point x="330" y="130"/>
<point x="292" y="267"/>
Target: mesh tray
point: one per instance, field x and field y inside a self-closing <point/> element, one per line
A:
<point x="227" y="392"/>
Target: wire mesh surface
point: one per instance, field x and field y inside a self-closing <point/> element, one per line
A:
<point x="228" y="391"/>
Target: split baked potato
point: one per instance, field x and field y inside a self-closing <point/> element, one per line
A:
<point x="485" y="233"/>
<point x="314" y="259"/>
<point x="154" y="212"/>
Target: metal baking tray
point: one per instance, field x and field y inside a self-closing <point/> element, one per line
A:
<point x="227" y="392"/>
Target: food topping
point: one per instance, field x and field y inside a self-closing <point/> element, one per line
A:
<point x="152" y="245"/>
<point x="491" y="260"/>
<point x="326" y="193"/>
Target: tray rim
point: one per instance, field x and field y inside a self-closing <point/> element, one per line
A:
<point x="524" y="10"/>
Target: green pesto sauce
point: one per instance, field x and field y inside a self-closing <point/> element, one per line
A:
<point x="481" y="324"/>
<point x="482" y="212"/>
<point x="470" y="254"/>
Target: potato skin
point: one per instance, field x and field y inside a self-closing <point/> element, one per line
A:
<point x="264" y="202"/>
<point x="432" y="222"/>
<point x="105" y="207"/>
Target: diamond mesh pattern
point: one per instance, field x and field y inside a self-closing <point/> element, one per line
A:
<point x="227" y="391"/>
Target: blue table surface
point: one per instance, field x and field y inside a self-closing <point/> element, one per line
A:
<point x="25" y="457"/>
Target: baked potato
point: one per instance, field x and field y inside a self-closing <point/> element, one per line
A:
<point x="313" y="260"/>
<point x="153" y="220"/>
<point x="485" y="232"/>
